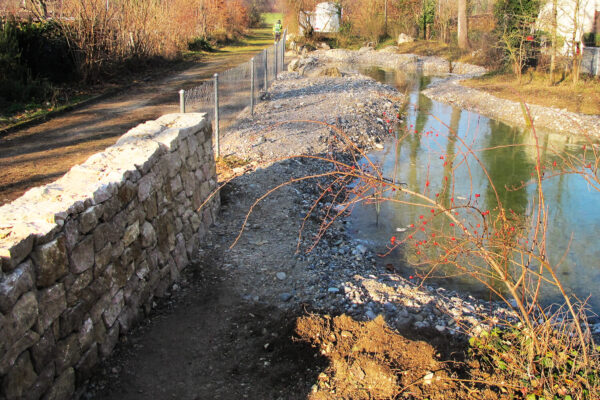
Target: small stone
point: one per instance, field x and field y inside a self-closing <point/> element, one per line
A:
<point x="333" y="290"/>
<point x="370" y="315"/>
<point x="361" y="248"/>
<point x="427" y="379"/>
<point x="285" y="296"/>
<point x="281" y="275"/>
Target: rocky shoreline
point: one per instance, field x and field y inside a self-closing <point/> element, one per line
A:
<point x="451" y="91"/>
<point x="546" y="118"/>
<point x="341" y="274"/>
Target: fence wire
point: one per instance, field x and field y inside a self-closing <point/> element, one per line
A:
<point x="235" y="84"/>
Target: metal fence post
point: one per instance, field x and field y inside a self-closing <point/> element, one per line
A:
<point x="217" y="115"/>
<point x="252" y="87"/>
<point x="182" y="101"/>
<point x="283" y="50"/>
<point x="275" y="59"/>
<point x="266" y="64"/>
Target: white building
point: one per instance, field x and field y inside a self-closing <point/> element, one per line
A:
<point x="325" y="19"/>
<point x="587" y="20"/>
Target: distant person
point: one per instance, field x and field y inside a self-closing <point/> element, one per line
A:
<point x="277" y="30"/>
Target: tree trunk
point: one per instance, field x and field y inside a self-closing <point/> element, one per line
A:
<point x="554" y="40"/>
<point x="577" y="49"/>
<point x="463" y="40"/>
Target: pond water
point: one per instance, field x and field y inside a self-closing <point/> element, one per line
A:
<point x="573" y="206"/>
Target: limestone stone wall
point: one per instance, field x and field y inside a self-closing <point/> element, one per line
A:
<point x="82" y="258"/>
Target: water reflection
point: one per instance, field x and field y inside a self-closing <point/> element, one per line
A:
<point x="508" y="154"/>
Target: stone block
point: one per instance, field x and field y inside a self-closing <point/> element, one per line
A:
<point x="189" y="183"/>
<point x="131" y="253"/>
<point x="43" y="351"/>
<point x="85" y="366"/>
<point x="146" y="187"/>
<point x="15" y="284"/>
<point x="63" y="387"/>
<point x="21" y="344"/>
<point x="187" y="231"/>
<point x="13" y="252"/>
<point x="102" y="259"/>
<point x="74" y="284"/>
<point x="134" y="213"/>
<point x="110" y="341"/>
<point x="23" y="315"/>
<point x="192" y="144"/>
<point x="126" y="193"/>
<point x="150" y="207"/>
<point x="103" y="235"/>
<point x="117" y="250"/>
<point x="166" y="233"/>
<point x="72" y="234"/>
<point x="148" y="235"/>
<point x="114" y="309"/>
<point x="82" y="256"/>
<point x="98" y="309"/>
<point x="89" y="218"/>
<point x="51" y="303"/>
<point x="173" y="164"/>
<point x="192" y="162"/>
<point x="19" y="379"/>
<point x="184" y="151"/>
<point x="176" y="184"/>
<point x="68" y="351"/>
<point x="72" y="319"/>
<point x="131" y="233"/>
<point x="50" y="261"/>
<point x="111" y="207"/>
<point x="86" y="333"/>
<point x="180" y="253"/>
<point x="129" y="318"/>
<point x="44" y="380"/>
<point x="104" y="193"/>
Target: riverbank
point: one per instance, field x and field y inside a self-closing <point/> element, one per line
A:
<point x="231" y="320"/>
<point x="451" y="91"/>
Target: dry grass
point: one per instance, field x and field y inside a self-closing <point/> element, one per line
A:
<point x="535" y="89"/>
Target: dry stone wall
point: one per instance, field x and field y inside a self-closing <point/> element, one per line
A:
<point x="83" y="257"/>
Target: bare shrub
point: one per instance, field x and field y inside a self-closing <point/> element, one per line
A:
<point x="536" y="350"/>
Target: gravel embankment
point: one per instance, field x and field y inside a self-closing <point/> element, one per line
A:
<point x="340" y="274"/>
<point x="452" y="92"/>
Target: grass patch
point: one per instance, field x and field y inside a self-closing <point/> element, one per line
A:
<point x="268" y="19"/>
<point x="534" y="88"/>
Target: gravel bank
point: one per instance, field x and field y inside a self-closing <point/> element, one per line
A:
<point x="341" y="274"/>
<point x="452" y="92"/>
<point x="547" y="118"/>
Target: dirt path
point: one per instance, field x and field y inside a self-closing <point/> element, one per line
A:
<point x="40" y="154"/>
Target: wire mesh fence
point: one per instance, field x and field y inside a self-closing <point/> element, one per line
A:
<point x="232" y="91"/>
